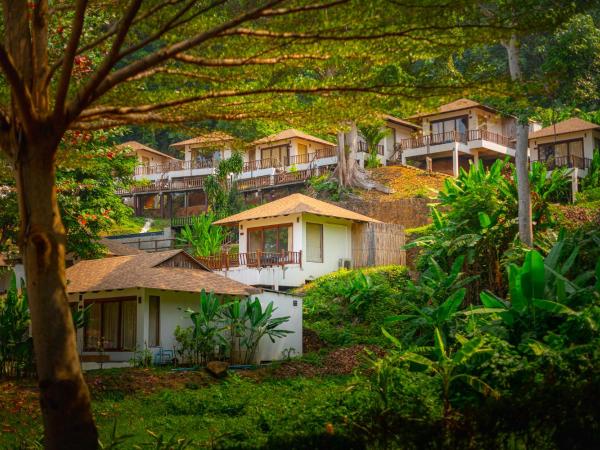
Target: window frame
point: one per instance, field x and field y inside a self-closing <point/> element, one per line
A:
<point x="449" y="119"/>
<point x="322" y="246"/>
<point x="552" y="145"/>
<point x="100" y="302"/>
<point x="262" y="236"/>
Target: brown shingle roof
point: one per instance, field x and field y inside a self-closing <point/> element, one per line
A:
<point x="572" y="125"/>
<point x="115" y="248"/>
<point x="134" y="145"/>
<point x="216" y="137"/>
<point x="457" y="105"/>
<point x="401" y="122"/>
<point x="140" y="271"/>
<point x="289" y="134"/>
<point x="294" y="204"/>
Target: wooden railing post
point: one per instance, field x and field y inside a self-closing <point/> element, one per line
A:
<point x="300" y="258"/>
<point x="258" y="262"/>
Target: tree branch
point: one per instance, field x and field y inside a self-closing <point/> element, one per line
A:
<point x="111" y="32"/>
<point x="113" y="55"/>
<point x="232" y="62"/>
<point x="172" y="24"/>
<point x="379" y="89"/>
<point x="162" y="55"/>
<point x="68" y="58"/>
<point x="19" y="90"/>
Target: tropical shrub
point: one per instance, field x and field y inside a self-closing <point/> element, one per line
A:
<point x="373" y="134"/>
<point x="202" y="237"/>
<point x="349" y="306"/>
<point x="592" y="179"/>
<point x="220" y="329"/>
<point x="16" y="346"/>
<point x="477" y="219"/>
<point x="326" y="186"/>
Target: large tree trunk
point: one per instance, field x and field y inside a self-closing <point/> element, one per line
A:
<point x="521" y="156"/>
<point x="64" y="396"/>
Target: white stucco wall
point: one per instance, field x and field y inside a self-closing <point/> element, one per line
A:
<point x="287" y="305"/>
<point x="172" y="313"/>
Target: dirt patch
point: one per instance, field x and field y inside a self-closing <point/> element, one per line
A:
<point x="342" y="361"/>
<point x="406" y="182"/>
<point x="576" y="216"/>
<point x="311" y="342"/>
<point x="131" y="381"/>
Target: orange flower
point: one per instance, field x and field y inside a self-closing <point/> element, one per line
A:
<point x="329" y="428"/>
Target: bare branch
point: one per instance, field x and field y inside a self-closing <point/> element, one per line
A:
<point x="68" y="58"/>
<point x="231" y="62"/>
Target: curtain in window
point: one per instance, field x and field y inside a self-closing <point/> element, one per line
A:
<point x="92" y="328"/>
<point x="576" y="148"/>
<point x="153" y="330"/>
<point x="314" y="242"/>
<point x="110" y="325"/>
<point x="129" y="324"/>
<point x="254" y="241"/>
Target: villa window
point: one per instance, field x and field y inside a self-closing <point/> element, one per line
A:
<point x="442" y="129"/>
<point x="112" y="324"/>
<point x="278" y="154"/>
<point x="314" y="242"/>
<point x="560" y="153"/>
<point x="271" y="239"/>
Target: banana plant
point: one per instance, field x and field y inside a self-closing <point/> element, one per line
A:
<point x="448" y="367"/>
<point x="202" y="237"/>
<point x="262" y="323"/>
<point x="435" y="284"/>
<point x="207" y="328"/>
<point x="426" y="319"/>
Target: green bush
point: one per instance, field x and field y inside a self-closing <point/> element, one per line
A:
<point x="348" y="306"/>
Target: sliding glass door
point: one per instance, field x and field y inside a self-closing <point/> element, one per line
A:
<point x="112" y="325"/>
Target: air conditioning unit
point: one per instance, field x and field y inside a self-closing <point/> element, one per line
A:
<point x="345" y="263"/>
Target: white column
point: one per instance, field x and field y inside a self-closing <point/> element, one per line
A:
<point x="403" y="158"/>
<point x="455" y="164"/>
<point x="574" y="184"/>
<point x="476" y="157"/>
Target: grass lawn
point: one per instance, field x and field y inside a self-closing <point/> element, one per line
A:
<point x="247" y="410"/>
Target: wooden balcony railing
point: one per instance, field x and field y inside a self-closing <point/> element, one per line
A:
<point x="326" y="152"/>
<point x="570" y="161"/>
<point x="266" y="163"/>
<point x="490" y="136"/>
<point x="226" y="261"/>
<point x="299" y="159"/>
<point x="455" y="136"/>
<point x="364" y="148"/>
<point x="173" y="166"/>
<point x="249" y="184"/>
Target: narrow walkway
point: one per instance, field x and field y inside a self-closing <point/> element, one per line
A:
<point x="147" y="225"/>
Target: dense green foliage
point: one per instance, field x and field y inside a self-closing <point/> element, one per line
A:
<point x="349" y="306"/>
<point x="89" y="173"/>
<point x="202" y="238"/>
<point x="477" y="219"/>
<point x="16" y="346"/>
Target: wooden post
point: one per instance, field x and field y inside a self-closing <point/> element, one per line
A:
<point x="429" y="164"/>
<point x="300" y="258"/>
<point x="258" y="263"/>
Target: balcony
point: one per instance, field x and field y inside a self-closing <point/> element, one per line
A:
<point x="174" y="166"/>
<point x="364" y="148"/>
<point x="455" y="136"/>
<point x="226" y="261"/>
<point x="570" y="161"/>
